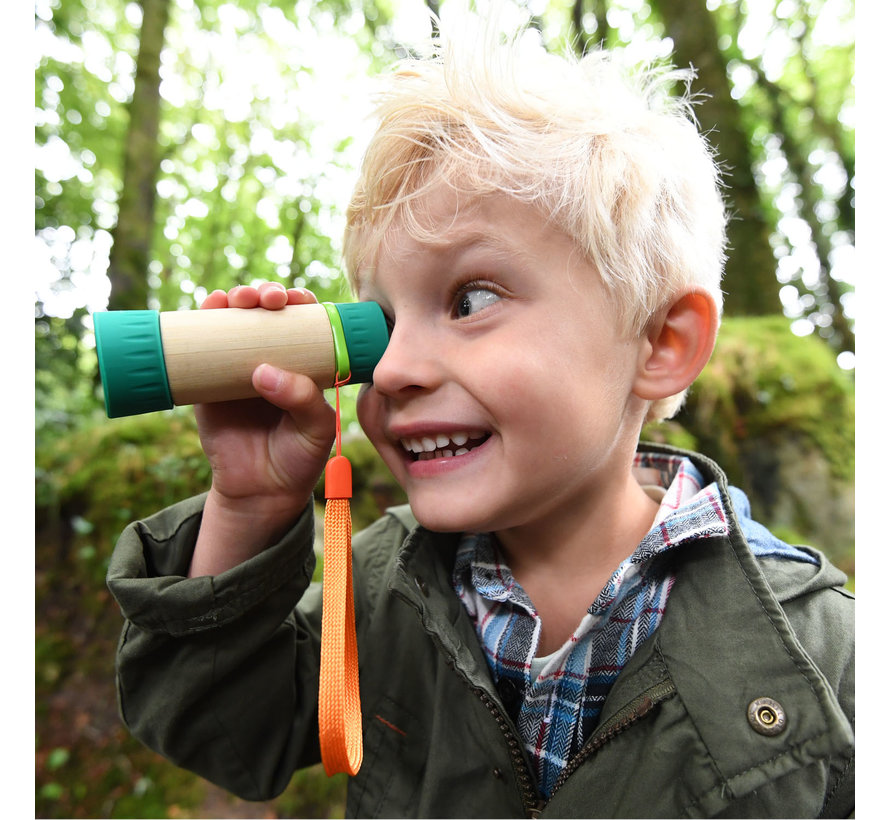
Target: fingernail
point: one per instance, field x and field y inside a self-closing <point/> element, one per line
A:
<point x="267" y="377"/>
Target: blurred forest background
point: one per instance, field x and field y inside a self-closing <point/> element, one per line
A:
<point x="187" y="145"/>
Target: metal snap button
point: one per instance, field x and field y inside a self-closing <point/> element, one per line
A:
<point x="766" y="716"/>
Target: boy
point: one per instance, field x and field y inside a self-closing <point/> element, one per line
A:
<point x="563" y="624"/>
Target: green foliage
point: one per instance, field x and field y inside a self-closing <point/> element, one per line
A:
<point x="798" y="112"/>
<point x="256" y="155"/>
<point x="112" y="777"/>
<point x="120" y="469"/>
<point x="762" y="381"/>
<point x="65" y="375"/>
<point x="82" y="82"/>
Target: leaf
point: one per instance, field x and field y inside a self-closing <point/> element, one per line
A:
<point x="57" y="758"/>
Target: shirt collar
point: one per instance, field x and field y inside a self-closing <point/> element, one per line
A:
<point x="687" y="511"/>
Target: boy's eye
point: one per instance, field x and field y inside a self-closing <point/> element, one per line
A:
<point x="473" y="300"/>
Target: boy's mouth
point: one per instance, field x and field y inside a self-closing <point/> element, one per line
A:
<point x="429" y="447"/>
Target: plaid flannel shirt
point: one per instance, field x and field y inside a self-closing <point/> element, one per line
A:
<point x="556" y="705"/>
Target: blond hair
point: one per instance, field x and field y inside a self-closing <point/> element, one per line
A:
<point x="608" y="156"/>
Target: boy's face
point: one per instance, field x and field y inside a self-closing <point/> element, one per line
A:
<point x="505" y="396"/>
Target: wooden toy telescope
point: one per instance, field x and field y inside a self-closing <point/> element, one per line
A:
<point x="150" y="360"/>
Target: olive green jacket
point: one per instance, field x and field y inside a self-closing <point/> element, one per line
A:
<point x="220" y="675"/>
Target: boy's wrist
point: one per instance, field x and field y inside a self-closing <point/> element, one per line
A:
<point x="233" y="530"/>
<point x="274" y="510"/>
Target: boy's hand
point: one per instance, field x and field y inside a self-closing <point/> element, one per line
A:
<point x="265" y="454"/>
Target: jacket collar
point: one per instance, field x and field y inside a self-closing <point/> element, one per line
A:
<point x="725" y="643"/>
<point x="422" y="578"/>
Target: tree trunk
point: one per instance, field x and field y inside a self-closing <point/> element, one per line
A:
<point x="579" y="37"/>
<point x="750" y="284"/>
<point x="128" y="266"/>
<point x="828" y="292"/>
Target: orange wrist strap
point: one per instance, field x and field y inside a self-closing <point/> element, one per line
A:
<point x="339" y="705"/>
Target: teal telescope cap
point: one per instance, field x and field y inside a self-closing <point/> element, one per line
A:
<point x="134" y="375"/>
<point x="366" y="335"/>
<point x="131" y="362"/>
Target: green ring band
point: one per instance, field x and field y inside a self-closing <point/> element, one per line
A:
<point x="341" y="351"/>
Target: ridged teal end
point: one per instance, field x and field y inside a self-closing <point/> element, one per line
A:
<point x="131" y="362"/>
<point x="367" y="335"/>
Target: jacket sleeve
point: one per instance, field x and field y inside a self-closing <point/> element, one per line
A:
<point x="219" y="674"/>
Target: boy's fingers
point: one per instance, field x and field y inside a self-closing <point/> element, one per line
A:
<point x="269" y="295"/>
<point x="300" y="296"/>
<point x="267" y="380"/>
<point x="296" y="394"/>
<point x="243" y="296"/>
<point x="272" y="295"/>
<point x="217" y="299"/>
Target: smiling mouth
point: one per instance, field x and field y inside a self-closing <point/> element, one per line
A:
<point x="443" y="446"/>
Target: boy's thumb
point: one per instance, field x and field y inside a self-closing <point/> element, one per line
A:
<point x="293" y="392"/>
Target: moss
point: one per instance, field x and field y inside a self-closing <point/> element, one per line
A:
<point x="763" y="383"/>
<point x="111" y="472"/>
<point x="311" y="793"/>
<point x="672" y="433"/>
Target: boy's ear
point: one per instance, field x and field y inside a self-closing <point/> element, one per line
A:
<point x="678" y="344"/>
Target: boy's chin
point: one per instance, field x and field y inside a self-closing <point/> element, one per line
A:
<point x="436" y="519"/>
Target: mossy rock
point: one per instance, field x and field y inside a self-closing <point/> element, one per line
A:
<point x="776" y="412"/>
<point x="107" y="474"/>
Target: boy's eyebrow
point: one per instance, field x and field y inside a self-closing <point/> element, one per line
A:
<point x="481" y="240"/>
<point x="455" y="247"/>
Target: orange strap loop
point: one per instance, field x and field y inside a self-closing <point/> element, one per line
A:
<point x="339" y="704"/>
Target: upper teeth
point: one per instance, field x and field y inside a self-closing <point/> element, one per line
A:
<point x="452" y="445"/>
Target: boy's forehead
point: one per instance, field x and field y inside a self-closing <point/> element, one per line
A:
<point x="445" y="228"/>
<point x="443" y="222"/>
<point x="400" y="248"/>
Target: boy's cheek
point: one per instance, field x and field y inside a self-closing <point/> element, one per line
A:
<point x="370" y="414"/>
<point x="363" y="391"/>
<point x="370" y="411"/>
<point x="361" y="404"/>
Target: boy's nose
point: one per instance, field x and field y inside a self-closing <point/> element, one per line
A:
<point x="409" y="362"/>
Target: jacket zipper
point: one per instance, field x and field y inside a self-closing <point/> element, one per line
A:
<point x="531" y="801"/>
<point x="630" y="714"/>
